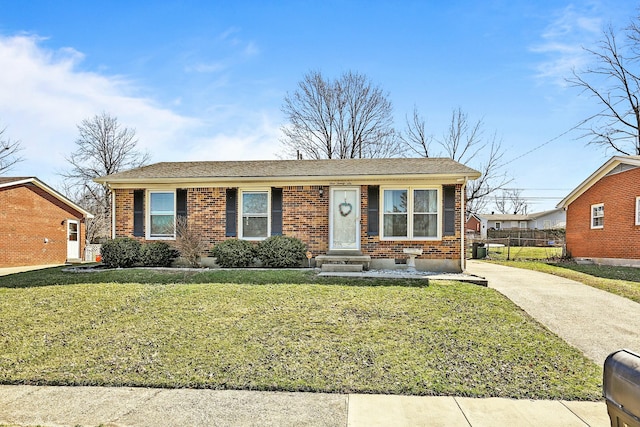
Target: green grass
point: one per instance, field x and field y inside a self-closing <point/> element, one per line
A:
<point x="623" y="281"/>
<point x="524" y="253"/>
<point x="447" y="338"/>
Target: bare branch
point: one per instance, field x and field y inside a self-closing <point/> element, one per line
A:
<point x="8" y="153"/>
<point x="344" y="118"/>
<point x="614" y="83"/>
<point x="415" y="136"/>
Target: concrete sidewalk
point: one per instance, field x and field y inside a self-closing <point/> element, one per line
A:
<point x="125" y="406"/>
<point x="5" y="271"/>
<point x="594" y="321"/>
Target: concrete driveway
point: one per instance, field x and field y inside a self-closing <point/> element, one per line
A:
<point x="594" y="321"/>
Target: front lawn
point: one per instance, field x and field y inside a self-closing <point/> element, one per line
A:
<point x="447" y="338"/>
<point x="623" y="281"/>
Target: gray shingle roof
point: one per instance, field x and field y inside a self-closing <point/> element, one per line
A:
<point x="293" y="169"/>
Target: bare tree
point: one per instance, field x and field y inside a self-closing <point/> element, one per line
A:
<point x="8" y="152"/>
<point x="510" y="201"/>
<point x="415" y="135"/>
<point x="103" y="148"/>
<point x="465" y="142"/>
<point x="614" y="82"/>
<point x="343" y="118"/>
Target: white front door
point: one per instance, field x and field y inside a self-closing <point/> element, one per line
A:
<point x="73" y="239"/>
<point x="344" y="219"/>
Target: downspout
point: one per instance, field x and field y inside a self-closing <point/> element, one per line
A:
<point x="113" y="214"/>
<point x="463" y="251"/>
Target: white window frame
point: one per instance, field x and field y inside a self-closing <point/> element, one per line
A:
<point x="593" y="216"/>
<point x="241" y="212"/>
<point x="410" y="195"/>
<point x="523" y="225"/>
<point x="498" y="225"/>
<point x="148" y="215"/>
<point x="637" y="210"/>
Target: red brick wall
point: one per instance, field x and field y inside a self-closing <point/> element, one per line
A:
<point x="28" y="216"/>
<point x="620" y="237"/>
<point x="305" y="215"/>
<point x="447" y="248"/>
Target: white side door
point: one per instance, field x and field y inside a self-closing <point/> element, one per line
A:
<point x="73" y="239"/>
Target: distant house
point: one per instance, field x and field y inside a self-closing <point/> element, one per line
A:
<point x="603" y="214"/>
<point x="38" y="225"/>
<point x="359" y="209"/>
<point x="547" y="220"/>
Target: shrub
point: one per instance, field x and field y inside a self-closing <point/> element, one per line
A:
<point x="121" y="252"/>
<point x="157" y="254"/>
<point x="234" y="253"/>
<point x="282" y="252"/>
<point x="189" y="242"/>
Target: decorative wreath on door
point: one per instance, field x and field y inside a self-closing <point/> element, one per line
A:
<point x="345" y="208"/>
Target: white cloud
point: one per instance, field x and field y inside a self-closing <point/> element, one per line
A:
<point x="563" y="41"/>
<point x="44" y="95"/>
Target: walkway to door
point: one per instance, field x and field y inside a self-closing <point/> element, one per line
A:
<point x="594" y="321"/>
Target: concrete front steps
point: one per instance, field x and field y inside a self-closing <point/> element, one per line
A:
<point x="343" y="262"/>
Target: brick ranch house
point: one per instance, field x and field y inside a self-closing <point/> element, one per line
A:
<point x="38" y="225"/>
<point x="362" y="207"/>
<point x="603" y="214"/>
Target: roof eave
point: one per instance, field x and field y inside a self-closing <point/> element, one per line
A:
<point x="607" y="167"/>
<point x="320" y="179"/>
<point x="54" y="193"/>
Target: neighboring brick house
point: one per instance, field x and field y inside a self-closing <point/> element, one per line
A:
<point x="369" y="207"/>
<point x="603" y="214"/>
<point x="38" y="225"/>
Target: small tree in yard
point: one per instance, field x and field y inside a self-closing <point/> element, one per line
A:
<point x="189" y="242"/>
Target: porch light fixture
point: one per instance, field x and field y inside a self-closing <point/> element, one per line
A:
<point x="321" y="191"/>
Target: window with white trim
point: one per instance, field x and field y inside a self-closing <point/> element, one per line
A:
<point x="410" y="213"/>
<point x="498" y="225"/>
<point x="255" y="210"/>
<point x="162" y="214"/>
<point x="637" y="210"/>
<point x="597" y="215"/>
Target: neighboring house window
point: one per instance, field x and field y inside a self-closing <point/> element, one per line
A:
<point x="637" y="210"/>
<point x="498" y="225"/>
<point x="162" y="210"/>
<point x="523" y="224"/>
<point x="597" y="216"/>
<point x="255" y="215"/>
<point x="410" y="213"/>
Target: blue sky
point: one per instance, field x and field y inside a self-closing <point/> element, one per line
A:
<point x="205" y="80"/>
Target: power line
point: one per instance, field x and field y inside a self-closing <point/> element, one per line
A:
<point x="548" y="142"/>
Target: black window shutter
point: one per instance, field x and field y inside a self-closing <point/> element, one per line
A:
<point x="232" y="211"/>
<point x="373" y="206"/>
<point x="138" y="213"/>
<point x="449" y="198"/>
<point x="181" y="203"/>
<point x="276" y="211"/>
